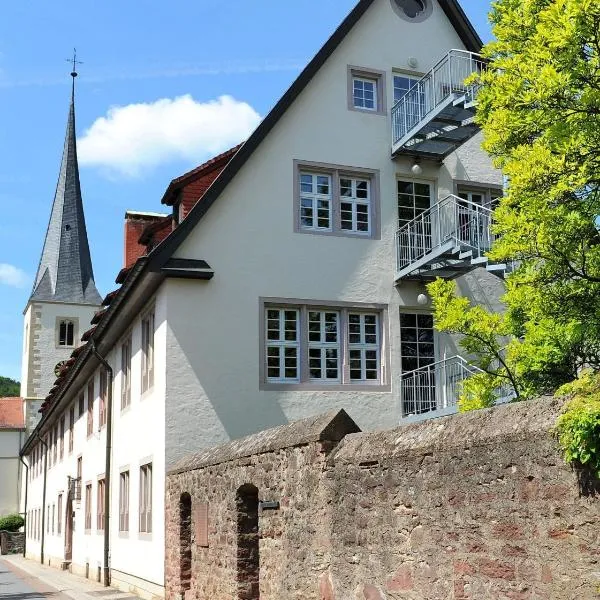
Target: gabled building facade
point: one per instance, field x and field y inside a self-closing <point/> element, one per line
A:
<point x="287" y="282"/>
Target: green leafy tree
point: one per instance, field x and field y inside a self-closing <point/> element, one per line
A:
<point x="9" y="387"/>
<point x="539" y="108"/>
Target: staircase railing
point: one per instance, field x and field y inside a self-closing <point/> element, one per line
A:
<point x="452" y="219"/>
<point x="436" y="387"/>
<point x="445" y="79"/>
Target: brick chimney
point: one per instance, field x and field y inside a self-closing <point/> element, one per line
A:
<point x="135" y="224"/>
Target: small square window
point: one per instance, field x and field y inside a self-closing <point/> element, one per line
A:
<point x="366" y="90"/>
<point x="364" y="93"/>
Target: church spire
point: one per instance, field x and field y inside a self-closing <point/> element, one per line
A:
<point x="65" y="271"/>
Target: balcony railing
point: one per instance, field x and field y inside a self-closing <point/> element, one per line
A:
<point x="434" y="390"/>
<point x="445" y="80"/>
<point x="451" y="222"/>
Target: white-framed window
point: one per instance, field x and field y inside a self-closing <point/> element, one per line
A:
<point x="315" y="201"/>
<point x="66" y="333"/>
<point x="100" y="505"/>
<point x="124" y="501"/>
<point x="355" y="204"/>
<point x="126" y="373"/>
<point x="335" y="200"/>
<point x="103" y="395"/>
<point x="146" y="498"/>
<point x="322" y="346"/>
<point x="414" y="198"/>
<point x="88" y="507"/>
<point x="403" y="83"/>
<point x="282" y="344"/>
<point x="148" y="352"/>
<point x="364" y="93"/>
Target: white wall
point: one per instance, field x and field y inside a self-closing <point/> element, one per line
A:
<point x="138" y="438"/>
<point x="248" y="238"/>
<point x="10" y="469"/>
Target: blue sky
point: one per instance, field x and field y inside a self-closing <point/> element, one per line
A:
<point x="135" y="55"/>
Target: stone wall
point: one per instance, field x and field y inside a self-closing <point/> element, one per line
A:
<point x="12" y="542"/>
<point x="477" y="506"/>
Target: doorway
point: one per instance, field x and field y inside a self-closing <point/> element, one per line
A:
<point x="248" y="558"/>
<point x="69" y="529"/>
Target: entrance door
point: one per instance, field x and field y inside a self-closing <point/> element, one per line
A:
<point x="69" y="529"/>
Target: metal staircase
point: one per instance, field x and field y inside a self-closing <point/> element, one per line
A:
<point x="447" y="240"/>
<point x="434" y="390"/>
<point x="435" y="116"/>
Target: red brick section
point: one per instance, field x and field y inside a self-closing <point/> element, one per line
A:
<point x="135" y="224"/>
<point x="11" y="413"/>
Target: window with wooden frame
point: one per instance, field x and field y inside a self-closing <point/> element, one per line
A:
<point x="336" y="200"/>
<point x="146" y="498"/>
<point x="148" y="352"/>
<point x="88" y="507"/>
<point x="124" y="501"/>
<point x="61" y="450"/>
<point x="59" y="515"/>
<point x="71" y="428"/>
<point x="126" y="373"/>
<point x="100" y="504"/>
<point x="90" y="407"/>
<point x="323" y="346"/>
<point x="103" y="393"/>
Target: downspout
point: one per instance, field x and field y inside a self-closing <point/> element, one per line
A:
<point x="27" y="525"/>
<point x="109" y="386"/>
<point x="43" y="496"/>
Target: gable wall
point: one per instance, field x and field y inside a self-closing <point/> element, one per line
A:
<point x="248" y="238"/>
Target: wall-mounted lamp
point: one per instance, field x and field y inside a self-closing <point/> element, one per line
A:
<point x="416" y="169"/>
<point x="423" y="299"/>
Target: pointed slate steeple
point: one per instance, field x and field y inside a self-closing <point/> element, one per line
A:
<point x="65" y="272"/>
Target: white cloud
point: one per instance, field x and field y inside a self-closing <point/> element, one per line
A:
<point x="134" y="138"/>
<point x="11" y="275"/>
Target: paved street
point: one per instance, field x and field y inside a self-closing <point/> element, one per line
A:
<point x="22" y="579"/>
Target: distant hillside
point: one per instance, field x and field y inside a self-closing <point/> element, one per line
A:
<point x="9" y="387"/>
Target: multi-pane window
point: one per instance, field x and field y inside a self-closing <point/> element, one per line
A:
<point x="62" y="438"/>
<point x="315" y="201"/>
<point x="100" y="505"/>
<point x="414" y="198"/>
<point x="124" y="501"/>
<point x="59" y="515"/>
<point x="355" y="204"/>
<point x="90" y="408"/>
<point x="103" y="392"/>
<point x="417" y="341"/>
<point x="363" y="343"/>
<point x="66" y="333"/>
<point x="88" y="506"/>
<point x="336" y="200"/>
<point x="282" y="345"/>
<point x="126" y="373"/>
<point x="322" y="345"/>
<point x="71" y="428"/>
<point x="146" y="498"/>
<point x="147" y="352"/>
<point x="364" y="93"/>
<point x="403" y="83"/>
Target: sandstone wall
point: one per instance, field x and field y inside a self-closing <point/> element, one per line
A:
<point x="478" y="506"/>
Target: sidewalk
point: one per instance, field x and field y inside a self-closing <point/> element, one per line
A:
<point x="67" y="585"/>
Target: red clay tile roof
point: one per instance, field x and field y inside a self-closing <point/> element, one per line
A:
<point x="11" y="413"/>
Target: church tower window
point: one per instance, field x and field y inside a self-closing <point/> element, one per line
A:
<point x="66" y="332"/>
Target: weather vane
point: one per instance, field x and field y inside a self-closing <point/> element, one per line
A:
<point x="74" y="62"/>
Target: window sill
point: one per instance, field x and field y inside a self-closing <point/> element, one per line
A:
<point x="145" y="536"/>
<point x="147" y="393"/>
<point x="368" y="111"/>
<point x="322" y="387"/>
<point x="338" y="233"/>
<point x="124" y="535"/>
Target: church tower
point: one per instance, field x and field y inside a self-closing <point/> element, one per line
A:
<point x="64" y="296"/>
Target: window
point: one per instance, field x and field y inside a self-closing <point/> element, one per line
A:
<point x="414" y="198"/>
<point x="320" y="346"/>
<point x="55" y="445"/>
<point x="79" y="468"/>
<point x="71" y="428"/>
<point x="81" y="404"/>
<point x="415" y="11"/>
<point x="49" y="447"/>
<point x="366" y="90"/>
<point x="48" y="519"/>
<point x="61" y="453"/>
<point x="100" y="505"/>
<point x="103" y="396"/>
<point x="90" y="408"/>
<point x="417" y="341"/>
<point x="53" y="515"/>
<point x="124" y="501"/>
<point x="126" y="373"/>
<point x="66" y="332"/>
<point x="147" y="352"/>
<point x="403" y="83"/>
<point x="146" y="498"/>
<point x="59" y="515"/>
<point x="88" y="506"/>
<point x="336" y="200"/>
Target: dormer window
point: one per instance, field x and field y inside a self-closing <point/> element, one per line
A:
<point x="66" y="333"/>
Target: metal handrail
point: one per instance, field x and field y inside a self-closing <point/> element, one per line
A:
<point x="436" y="387"/>
<point x="463" y="222"/>
<point x="445" y="79"/>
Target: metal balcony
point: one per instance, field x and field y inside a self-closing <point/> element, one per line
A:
<point x="435" y="116"/>
<point x="447" y="240"/>
<point x="433" y="391"/>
